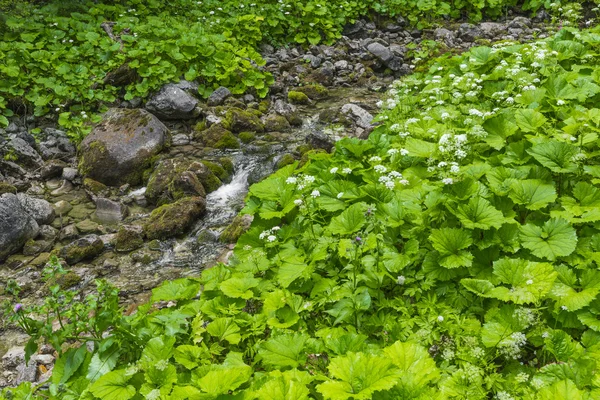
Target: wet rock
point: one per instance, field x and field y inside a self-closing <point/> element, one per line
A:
<point x="62" y="207"/>
<point x="218" y="97"/>
<point x="65" y="187"/>
<point x="55" y="144"/>
<point x="276" y="123"/>
<point x="87" y="226"/>
<point x="16" y="225"/>
<point x="209" y="180"/>
<point x="122" y="146"/>
<point x="174" y="219"/>
<point x="85" y="248"/>
<point x="359" y="115"/>
<point x="217" y="137"/>
<point x="129" y="238"/>
<point x="238" y="226"/>
<point x="34" y="247"/>
<point x="70" y="174"/>
<point x="295" y="97"/>
<point x="469" y="32"/>
<point x="24" y="153"/>
<point x="47" y="233"/>
<point x="69" y="232"/>
<point x="380" y="51"/>
<point x="39" y="209"/>
<point x="52" y="169"/>
<point x="314" y="91"/>
<point x="243" y="121"/>
<point x="13" y="357"/>
<point x="171" y="102"/>
<point x="94" y="187"/>
<point x="110" y="211"/>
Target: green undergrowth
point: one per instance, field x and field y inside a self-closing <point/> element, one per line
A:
<point x="452" y="255"/>
<point x="58" y="58"/>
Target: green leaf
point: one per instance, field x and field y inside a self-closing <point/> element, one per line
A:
<point x="571" y="298"/>
<point x="179" y="289"/>
<point x="359" y="375"/>
<point x="529" y="281"/>
<point x="223" y="379"/>
<point x="499" y="128"/>
<point x="450" y="242"/>
<point x="557" y="156"/>
<point x="480" y="287"/>
<point x="3" y="121"/>
<point x="560" y="345"/>
<point x="417" y="368"/>
<point x="224" y="329"/>
<point x="102" y="364"/>
<point x="113" y="386"/>
<point x="157" y="349"/>
<point x="529" y="120"/>
<point x="68" y="364"/>
<point x="479" y="214"/>
<point x="289" y="385"/>
<point x="239" y="287"/>
<point x="285" y="350"/>
<point x="561" y="390"/>
<point x="532" y="193"/>
<point x="556" y="238"/>
<point x="190" y="356"/>
<point x="349" y="221"/>
<point x="420" y="148"/>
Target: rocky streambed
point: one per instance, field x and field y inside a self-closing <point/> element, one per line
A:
<point x="154" y="191"/>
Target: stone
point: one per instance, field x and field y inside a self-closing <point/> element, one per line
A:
<point x="52" y="169"/>
<point x="209" y="180"/>
<point x="243" y="121"/>
<point x="218" y="137"/>
<point x="283" y="108"/>
<point x="314" y="61"/>
<point x="39" y="209"/>
<point x="520" y="23"/>
<point x="172" y="220"/>
<point x="295" y="97"/>
<point x="180" y="139"/>
<point x="80" y="211"/>
<point x="129" y="238"/>
<point x="110" y="211"/>
<point x="69" y="232"/>
<point x="171" y="180"/>
<point x="47" y="232"/>
<point x="469" y="32"/>
<point x="359" y="115"/>
<point x="26" y="372"/>
<point x="276" y="123"/>
<point x="314" y="91"/>
<point x="341" y="65"/>
<point x="13" y="357"/>
<point x="218" y="97"/>
<point x="445" y="35"/>
<point x="70" y="173"/>
<point x="492" y="29"/>
<point x="62" y="207"/>
<point x="55" y="144"/>
<point x="85" y="248"/>
<point x="122" y="146"/>
<point x="44" y="359"/>
<point x="171" y="102"/>
<point x="65" y="187"/>
<point x="24" y="153"/>
<point x="35" y="247"/>
<point x="380" y="51"/>
<point x="6" y="187"/>
<point x="16" y="225"/>
<point x="87" y="226"/>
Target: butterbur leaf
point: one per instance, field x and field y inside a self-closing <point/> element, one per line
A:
<point x="113" y="386"/>
<point x="224" y="329"/>
<point x="480" y="287"/>
<point x="340" y="345"/>
<point x="417" y="368"/>
<point x="479" y="214"/>
<point x="529" y="120"/>
<point x="239" y="286"/>
<point x="190" y="356"/>
<point x="450" y="242"/>
<point x="359" y="375"/>
<point x="557" y="156"/>
<point x="101" y="364"/>
<point x="572" y="299"/>
<point x="560" y="345"/>
<point x="289" y="385"/>
<point x="501" y="179"/>
<point x="532" y="193"/>
<point x="556" y="238"/>
<point x="223" y="379"/>
<point x="179" y="289"/>
<point x="157" y="349"/>
<point x="529" y="281"/>
<point x="561" y="390"/>
<point x="349" y="221"/>
<point x="285" y="350"/>
<point x="498" y="128"/>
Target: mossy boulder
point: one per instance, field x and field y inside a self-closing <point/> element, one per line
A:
<point x="263" y="106"/>
<point x="218" y="170"/>
<point x="241" y="121"/>
<point x="285" y="159"/>
<point x="95" y="187"/>
<point x="85" y="248"/>
<point x="174" y="219"/>
<point x="122" y="146"/>
<point x="295" y="97"/>
<point x="129" y="238"/>
<point x="171" y="180"/>
<point x="314" y="91"/>
<point x="7" y="188"/>
<point x="227" y="164"/>
<point x="246" y="137"/>
<point x="233" y="102"/>
<point x="65" y="281"/>
<point x="294" y="119"/>
<point x="208" y="179"/>
<point x="218" y="137"/>
<point x="238" y="226"/>
<point x="276" y="123"/>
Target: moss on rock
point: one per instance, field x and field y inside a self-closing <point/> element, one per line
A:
<point x="286" y="159"/>
<point x="238" y="226"/>
<point x="208" y="179"/>
<point x="7" y="188"/>
<point x="82" y="249"/>
<point x="94" y="186"/>
<point x="241" y="121"/>
<point x="172" y="180"/>
<point x="227" y="141"/>
<point x="213" y="135"/>
<point x="174" y="219"/>
<point x="314" y="91"/>
<point x="297" y="97"/>
<point x="129" y="238"/>
<point x="276" y="123"/>
<point x="246" y="137"/>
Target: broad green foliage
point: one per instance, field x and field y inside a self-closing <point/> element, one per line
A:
<point x="452" y="255"/>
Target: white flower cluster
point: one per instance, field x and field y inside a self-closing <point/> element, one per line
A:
<point x="453" y="145"/>
<point x="391" y="178"/>
<point x="269" y="234"/>
<point x="526" y="316"/>
<point x="511" y="346"/>
<point x="502" y="395"/>
<point x="300" y="181"/>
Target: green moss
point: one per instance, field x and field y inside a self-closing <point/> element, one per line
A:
<point x="242" y="121"/>
<point x="227" y="164"/>
<point x="7" y="188"/>
<point x="303" y="148"/>
<point x="294" y="119"/>
<point x="276" y="123"/>
<point x="94" y="186"/>
<point x="233" y="102"/>
<point x="200" y="126"/>
<point x="174" y="219"/>
<point x="246" y="137"/>
<point x="227" y="141"/>
<point x="238" y="226"/>
<point x="216" y="169"/>
<point x="81" y="249"/>
<point x="263" y="106"/>
<point x="208" y="179"/>
<point x="314" y="91"/>
<point x="286" y="159"/>
<point x="128" y="239"/>
<point x="297" y="97"/>
<point x="65" y="281"/>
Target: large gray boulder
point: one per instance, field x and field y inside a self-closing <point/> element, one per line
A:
<point x="360" y="116"/>
<point x="172" y="102"/>
<point x="24" y="153"/>
<point x="16" y="225"/>
<point x="218" y="97"/>
<point x="38" y="209"/>
<point x="122" y="146"/>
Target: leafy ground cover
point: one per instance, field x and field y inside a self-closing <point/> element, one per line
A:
<point x="452" y="255"/>
<point x="73" y="57"/>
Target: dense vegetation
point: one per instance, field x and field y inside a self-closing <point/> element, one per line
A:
<point x="452" y="255"/>
<point x="69" y="57"/>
